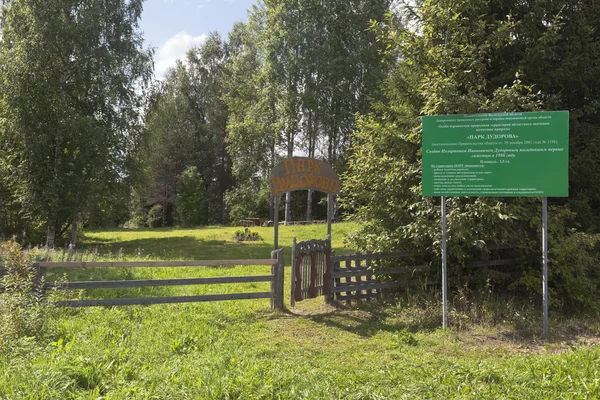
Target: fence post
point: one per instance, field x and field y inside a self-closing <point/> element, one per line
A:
<point x="273" y="279"/>
<point x="37" y="280"/>
<point x="330" y="271"/>
<point x="280" y="279"/>
<point x="293" y="275"/>
<point x="277" y="281"/>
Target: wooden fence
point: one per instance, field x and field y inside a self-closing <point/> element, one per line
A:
<point x="360" y="279"/>
<point x="354" y="276"/>
<point x="275" y="278"/>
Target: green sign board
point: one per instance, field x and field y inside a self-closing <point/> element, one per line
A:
<point x="506" y="154"/>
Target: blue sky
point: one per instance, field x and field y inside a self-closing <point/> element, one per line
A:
<point x="172" y="27"/>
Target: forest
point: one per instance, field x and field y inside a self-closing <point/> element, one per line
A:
<point x="88" y="139"/>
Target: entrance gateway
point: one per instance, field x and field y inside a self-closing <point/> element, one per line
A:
<point x="310" y="259"/>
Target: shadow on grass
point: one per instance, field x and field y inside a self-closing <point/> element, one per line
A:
<point x="368" y="319"/>
<point x="184" y="248"/>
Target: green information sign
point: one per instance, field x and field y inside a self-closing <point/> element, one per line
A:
<point x="506" y="154"/>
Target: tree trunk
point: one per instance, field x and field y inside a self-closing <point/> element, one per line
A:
<point x="51" y="233"/>
<point x="309" y="201"/>
<point x="53" y="216"/>
<point x="75" y="228"/>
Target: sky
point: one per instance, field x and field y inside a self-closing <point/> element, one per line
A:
<point x="172" y="27"/>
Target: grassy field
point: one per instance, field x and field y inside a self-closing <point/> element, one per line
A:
<point x="209" y="243"/>
<point x="392" y="349"/>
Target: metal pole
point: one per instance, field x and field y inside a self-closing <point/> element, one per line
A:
<point x="276" y="223"/>
<point x="545" y="261"/>
<point x="444" y="274"/>
<point x="329" y="213"/>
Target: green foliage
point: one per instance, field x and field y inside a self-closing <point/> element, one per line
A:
<point x="246" y="236"/>
<point x="70" y="80"/>
<point x="155" y="216"/>
<point x="245" y="201"/>
<point x="185" y="125"/>
<point x="469" y="57"/>
<point x="21" y="308"/>
<point x="190" y="190"/>
<point x="442" y="69"/>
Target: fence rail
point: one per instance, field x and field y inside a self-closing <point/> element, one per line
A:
<point x="275" y="278"/>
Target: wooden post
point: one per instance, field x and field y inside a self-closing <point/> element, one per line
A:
<point x="297" y="264"/>
<point x="293" y="275"/>
<point x="280" y="280"/>
<point x="329" y="213"/>
<point x="312" y="290"/>
<point x="276" y="224"/>
<point x="332" y="269"/>
<point x="37" y="283"/>
<point x="348" y="280"/>
<point x="327" y="270"/>
<point x="273" y="280"/>
<point x="357" y="262"/>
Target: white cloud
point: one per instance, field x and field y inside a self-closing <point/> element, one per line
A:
<point x="174" y="49"/>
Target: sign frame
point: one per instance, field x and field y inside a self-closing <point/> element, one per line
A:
<point x="505" y="130"/>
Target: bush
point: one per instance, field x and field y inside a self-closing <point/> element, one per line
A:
<point x="246" y="236"/>
<point x="22" y="309"/>
<point x="190" y="198"/>
<point x="155" y="216"/>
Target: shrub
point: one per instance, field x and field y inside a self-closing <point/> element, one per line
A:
<point x="155" y="216"/>
<point x="21" y="307"/>
<point x="246" y="236"/>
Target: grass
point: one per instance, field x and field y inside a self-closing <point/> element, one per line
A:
<point x="392" y="349"/>
<point x="211" y="243"/>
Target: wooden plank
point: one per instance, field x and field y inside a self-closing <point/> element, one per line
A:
<point x="343" y="272"/>
<point x="157" y="282"/>
<point x="357" y="260"/>
<point x="377" y="256"/>
<point x="312" y="287"/>
<point x="358" y="286"/>
<point x="357" y="296"/>
<point x="297" y="263"/>
<point x="348" y="279"/>
<point x="148" y="264"/>
<point x="163" y="300"/>
<point x="280" y="269"/>
<point x="492" y="263"/>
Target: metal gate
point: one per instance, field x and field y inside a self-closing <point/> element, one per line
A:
<point x="311" y="261"/>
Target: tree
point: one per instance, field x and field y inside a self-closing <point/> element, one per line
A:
<point x="317" y="64"/>
<point x="71" y="74"/>
<point x="186" y="127"/>
<point x="475" y="56"/>
<point x="443" y="68"/>
<point x="172" y="139"/>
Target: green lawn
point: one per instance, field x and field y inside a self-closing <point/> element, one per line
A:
<point x="208" y="243"/>
<point x="242" y="350"/>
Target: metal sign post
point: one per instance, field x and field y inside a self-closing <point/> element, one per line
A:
<point x="444" y="269"/>
<point x="545" y="261"/>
